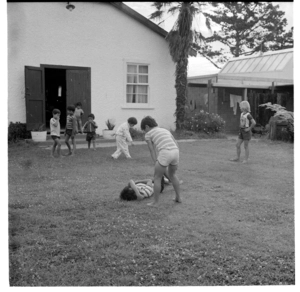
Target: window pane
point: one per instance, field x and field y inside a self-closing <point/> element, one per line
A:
<point x="142" y="89"/>
<point x="131" y="78"/>
<point x="131" y="98"/>
<point x="141" y="98"/>
<point x="143" y="78"/>
<point x="132" y="68"/>
<point x="131" y="89"/>
<point x="143" y="69"/>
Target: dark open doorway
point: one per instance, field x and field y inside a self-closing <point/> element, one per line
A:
<point x="54" y="86"/>
<point x="55" y="94"/>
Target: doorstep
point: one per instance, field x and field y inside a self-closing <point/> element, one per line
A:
<point x="80" y="139"/>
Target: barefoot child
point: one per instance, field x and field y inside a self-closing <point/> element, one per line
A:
<point x="90" y="129"/>
<point x="71" y="129"/>
<point x="246" y="124"/>
<point x="122" y="136"/>
<point x="78" y="115"/>
<point x="55" y="131"/>
<point x="165" y="154"/>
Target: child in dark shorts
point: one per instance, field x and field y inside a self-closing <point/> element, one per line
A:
<point x="71" y="129"/>
<point x="246" y="124"/>
<point x="90" y="129"/>
<point x="55" y="132"/>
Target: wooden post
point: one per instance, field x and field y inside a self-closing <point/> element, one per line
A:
<point x="272" y="87"/>
<point x="245" y="94"/>
<point x="208" y="93"/>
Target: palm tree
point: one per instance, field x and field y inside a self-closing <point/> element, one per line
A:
<point x="180" y="39"/>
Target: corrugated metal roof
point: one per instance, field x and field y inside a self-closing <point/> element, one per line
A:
<point x="270" y="61"/>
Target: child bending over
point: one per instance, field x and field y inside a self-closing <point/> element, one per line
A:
<point x="164" y="153"/>
<point x="122" y="137"/>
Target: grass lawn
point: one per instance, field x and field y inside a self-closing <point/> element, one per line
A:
<point x="67" y="226"/>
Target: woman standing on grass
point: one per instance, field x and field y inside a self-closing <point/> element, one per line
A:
<point x="162" y="142"/>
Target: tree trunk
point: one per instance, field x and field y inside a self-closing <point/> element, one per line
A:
<point x="180" y="85"/>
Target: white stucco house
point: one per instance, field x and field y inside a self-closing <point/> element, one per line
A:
<point x="102" y="54"/>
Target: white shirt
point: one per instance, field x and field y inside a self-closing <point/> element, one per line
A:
<point x="123" y="131"/>
<point x="54" y="127"/>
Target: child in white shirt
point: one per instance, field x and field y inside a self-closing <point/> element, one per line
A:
<point x="122" y="137"/>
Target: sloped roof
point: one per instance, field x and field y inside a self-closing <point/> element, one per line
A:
<point x="257" y="71"/>
<point x="140" y="18"/>
<point x="274" y="65"/>
<point x="143" y="20"/>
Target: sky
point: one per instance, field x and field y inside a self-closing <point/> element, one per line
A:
<point x="199" y="65"/>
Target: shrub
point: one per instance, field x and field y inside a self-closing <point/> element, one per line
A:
<point x="281" y="114"/>
<point x="17" y="131"/>
<point x="204" y="122"/>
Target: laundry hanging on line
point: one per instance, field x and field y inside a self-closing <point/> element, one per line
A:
<point x="234" y="99"/>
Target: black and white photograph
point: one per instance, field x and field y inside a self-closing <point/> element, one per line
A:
<point x="149" y="144"/>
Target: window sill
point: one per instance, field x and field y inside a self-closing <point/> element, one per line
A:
<point x="137" y="106"/>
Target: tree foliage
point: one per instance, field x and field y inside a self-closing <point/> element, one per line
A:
<point x="180" y="40"/>
<point x="245" y="28"/>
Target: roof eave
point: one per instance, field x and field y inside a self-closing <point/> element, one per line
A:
<point x="143" y="20"/>
<point x="140" y="18"/>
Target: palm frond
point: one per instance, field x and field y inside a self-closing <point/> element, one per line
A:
<point x="173" y="10"/>
<point x="156" y="15"/>
<point x="208" y="23"/>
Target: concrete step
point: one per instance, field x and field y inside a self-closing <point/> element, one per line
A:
<point x="80" y="139"/>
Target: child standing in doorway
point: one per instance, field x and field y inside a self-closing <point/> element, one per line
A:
<point x="78" y="115"/>
<point x="55" y="132"/>
<point x="71" y="129"/>
<point x="246" y="124"/>
<point x="90" y="129"/>
<point x="122" y="137"/>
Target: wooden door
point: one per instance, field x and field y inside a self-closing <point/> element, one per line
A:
<point x="35" y="97"/>
<point x="79" y="89"/>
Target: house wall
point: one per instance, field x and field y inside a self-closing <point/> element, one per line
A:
<point x="95" y="35"/>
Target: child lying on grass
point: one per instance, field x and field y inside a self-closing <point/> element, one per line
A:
<point x="140" y="189"/>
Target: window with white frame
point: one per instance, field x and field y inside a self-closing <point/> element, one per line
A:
<point x="137" y="86"/>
